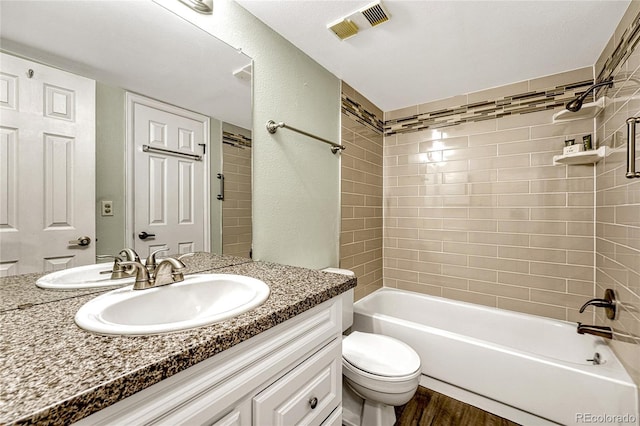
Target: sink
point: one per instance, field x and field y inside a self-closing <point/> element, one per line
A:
<point x="90" y="276"/>
<point x="199" y="300"/>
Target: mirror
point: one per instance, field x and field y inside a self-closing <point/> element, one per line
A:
<point x="142" y="48"/>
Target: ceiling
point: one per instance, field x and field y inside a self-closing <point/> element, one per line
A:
<point x="94" y="39"/>
<point x="432" y="50"/>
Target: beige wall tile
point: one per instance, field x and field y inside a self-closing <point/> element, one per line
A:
<point x="498" y="92"/>
<point x="581" y="74"/>
<point x="236" y="222"/>
<point x="494" y="222"/>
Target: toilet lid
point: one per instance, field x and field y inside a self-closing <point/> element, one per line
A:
<point x="380" y="355"/>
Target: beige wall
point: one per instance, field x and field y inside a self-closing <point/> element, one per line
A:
<point x="478" y="212"/>
<point x="236" y="207"/>
<point x="618" y="200"/>
<point x="361" y="194"/>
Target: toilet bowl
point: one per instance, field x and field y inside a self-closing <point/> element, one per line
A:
<point x="379" y="372"/>
<point x="383" y="372"/>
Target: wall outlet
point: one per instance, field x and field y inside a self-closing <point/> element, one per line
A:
<point x="107" y="208"/>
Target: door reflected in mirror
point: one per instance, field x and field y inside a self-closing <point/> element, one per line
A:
<point x="120" y="49"/>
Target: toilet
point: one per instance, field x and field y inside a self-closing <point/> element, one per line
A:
<point x="378" y="372"/>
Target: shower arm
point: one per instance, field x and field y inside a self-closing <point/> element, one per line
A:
<point x="576" y="104"/>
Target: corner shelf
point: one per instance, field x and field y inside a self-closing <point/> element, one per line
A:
<point x="585" y="157"/>
<point x="588" y="110"/>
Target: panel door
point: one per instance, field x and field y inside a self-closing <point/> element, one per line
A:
<point x="47" y="167"/>
<point x="170" y="195"/>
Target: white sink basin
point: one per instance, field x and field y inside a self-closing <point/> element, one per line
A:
<point x="89" y="276"/>
<point x="199" y="300"/>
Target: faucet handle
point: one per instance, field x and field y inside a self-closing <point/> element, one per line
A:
<point x="117" y="271"/>
<point x="129" y="254"/>
<point x="182" y="256"/>
<point x="151" y="260"/>
<point x="169" y="271"/>
<point x="143" y="281"/>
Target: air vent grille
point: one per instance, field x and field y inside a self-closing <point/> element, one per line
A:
<point x="375" y="14"/>
<point x="344" y="29"/>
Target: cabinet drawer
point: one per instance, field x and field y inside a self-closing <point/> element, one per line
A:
<point x="335" y="418"/>
<point x="306" y="395"/>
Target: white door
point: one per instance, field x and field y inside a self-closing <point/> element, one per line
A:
<point x="170" y="196"/>
<point x="47" y="167"/>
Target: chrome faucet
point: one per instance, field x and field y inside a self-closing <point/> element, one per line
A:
<point x="596" y="330"/>
<point x="169" y="271"/>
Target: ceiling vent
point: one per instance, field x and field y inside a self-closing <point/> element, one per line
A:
<point x="344" y="29"/>
<point x="367" y="17"/>
<point x="375" y="14"/>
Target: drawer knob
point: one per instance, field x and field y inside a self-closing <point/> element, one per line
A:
<point x="313" y="402"/>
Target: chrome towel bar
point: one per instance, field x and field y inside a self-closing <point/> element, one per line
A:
<point x="631" y="147"/>
<point x="272" y="127"/>
<point x="148" y="148"/>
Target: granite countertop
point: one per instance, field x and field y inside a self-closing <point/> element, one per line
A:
<point x="18" y="291"/>
<point x="53" y="372"/>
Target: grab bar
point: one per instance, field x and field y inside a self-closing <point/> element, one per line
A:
<point x="148" y="148"/>
<point x="272" y="127"/>
<point x="631" y="148"/>
<point x="221" y="194"/>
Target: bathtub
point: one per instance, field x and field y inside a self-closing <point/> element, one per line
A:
<point x="529" y="369"/>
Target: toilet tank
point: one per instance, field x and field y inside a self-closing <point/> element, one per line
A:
<point x="347" y="298"/>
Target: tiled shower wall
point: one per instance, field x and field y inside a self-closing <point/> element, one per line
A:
<point x="474" y="208"/>
<point x="361" y="193"/>
<point x="236" y="207"/>
<point x="618" y="198"/>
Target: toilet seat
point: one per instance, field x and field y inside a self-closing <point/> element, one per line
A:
<point x="379" y="357"/>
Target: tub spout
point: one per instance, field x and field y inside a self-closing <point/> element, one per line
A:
<point x="596" y="330"/>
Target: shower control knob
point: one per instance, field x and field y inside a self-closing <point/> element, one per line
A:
<point x="313" y="402"/>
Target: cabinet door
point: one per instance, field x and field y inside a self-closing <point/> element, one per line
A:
<point x="306" y="395"/>
<point x="239" y="416"/>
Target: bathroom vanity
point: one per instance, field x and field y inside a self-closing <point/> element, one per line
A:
<point x="277" y="364"/>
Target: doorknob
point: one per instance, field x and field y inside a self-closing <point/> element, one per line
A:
<point x="144" y="235"/>
<point x="81" y="241"/>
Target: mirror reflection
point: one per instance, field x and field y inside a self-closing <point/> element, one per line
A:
<point x="120" y="126"/>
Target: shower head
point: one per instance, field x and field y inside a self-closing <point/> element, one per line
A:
<point x="576" y="104"/>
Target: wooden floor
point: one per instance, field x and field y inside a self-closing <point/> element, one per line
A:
<point x="430" y="408"/>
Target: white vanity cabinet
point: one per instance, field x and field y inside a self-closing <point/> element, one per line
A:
<point x="288" y="375"/>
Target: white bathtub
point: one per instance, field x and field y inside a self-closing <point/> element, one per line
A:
<point x="523" y="367"/>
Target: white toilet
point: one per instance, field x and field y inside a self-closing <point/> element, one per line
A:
<point x="379" y="372"/>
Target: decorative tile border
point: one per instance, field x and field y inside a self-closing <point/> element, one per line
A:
<point x="356" y="111"/>
<point x="236" y="139"/>
<point x="522" y="103"/>
<point x="623" y="50"/>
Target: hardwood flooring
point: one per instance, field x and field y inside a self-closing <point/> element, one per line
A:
<point x="430" y="408"/>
